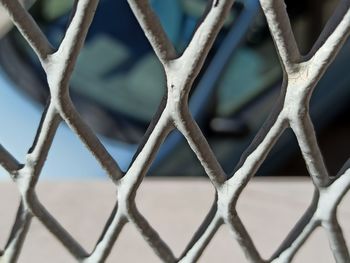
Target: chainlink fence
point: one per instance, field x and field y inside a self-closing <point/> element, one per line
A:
<point x="301" y="74"/>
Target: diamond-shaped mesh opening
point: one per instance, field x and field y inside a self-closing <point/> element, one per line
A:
<point x="165" y="204"/>
<point x="76" y="207"/>
<point x="176" y="159"/>
<point x="109" y="97"/>
<point x="270" y="209"/>
<point x="284" y="159"/>
<point x="244" y="116"/>
<point x="229" y="143"/>
<point x="41" y="245"/>
<point x="222" y="248"/>
<point x="315" y="248"/>
<point x="69" y="159"/>
<point x="228" y="147"/>
<point x="228" y="150"/>
<point x="287" y="152"/>
<point x="245" y="95"/>
<point x="118" y="94"/>
<point x="131" y="247"/>
<point x="82" y="194"/>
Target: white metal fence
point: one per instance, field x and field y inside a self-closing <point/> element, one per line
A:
<point x="301" y="74"/>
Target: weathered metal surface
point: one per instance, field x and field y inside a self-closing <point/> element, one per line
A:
<point x="301" y="74"/>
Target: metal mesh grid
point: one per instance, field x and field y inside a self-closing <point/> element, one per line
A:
<point x="301" y="74"/>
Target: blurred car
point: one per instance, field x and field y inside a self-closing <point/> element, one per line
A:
<point x="118" y="82"/>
